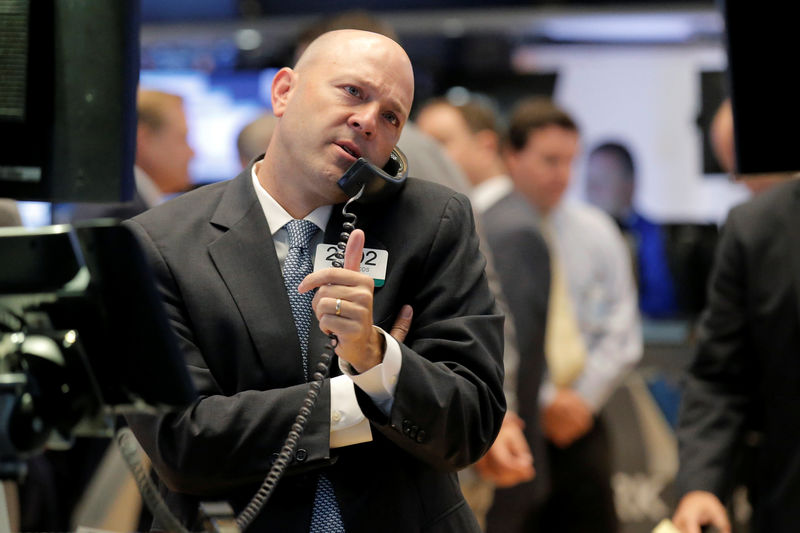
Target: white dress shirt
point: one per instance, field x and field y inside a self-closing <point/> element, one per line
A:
<point x="348" y="424"/>
<point x="599" y="277"/>
<point x="489" y="192"/>
<point x="146" y="188"/>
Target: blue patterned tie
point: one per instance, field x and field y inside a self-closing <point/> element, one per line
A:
<point x="325" y="517"/>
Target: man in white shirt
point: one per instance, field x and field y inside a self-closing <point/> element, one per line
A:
<point x="593" y="334"/>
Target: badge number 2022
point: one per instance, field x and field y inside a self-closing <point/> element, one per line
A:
<point x="367" y="258"/>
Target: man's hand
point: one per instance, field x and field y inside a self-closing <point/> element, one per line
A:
<point x="509" y="460"/>
<point x="567" y="418"/>
<point x="343" y="306"/>
<point x="700" y="508"/>
<point x="402" y="323"/>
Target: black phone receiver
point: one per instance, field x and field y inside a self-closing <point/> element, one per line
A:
<point x="378" y="183"/>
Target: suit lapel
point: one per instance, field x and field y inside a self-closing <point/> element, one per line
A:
<point x="245" y="258"/>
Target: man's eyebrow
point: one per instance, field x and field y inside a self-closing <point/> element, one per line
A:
<point x="394" y="104"/>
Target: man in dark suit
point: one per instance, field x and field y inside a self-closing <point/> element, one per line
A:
<point x="396" y="421"/>
<point x="745" y="376"/>
<point x="469" y="134"/>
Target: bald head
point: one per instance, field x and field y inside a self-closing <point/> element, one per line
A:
<point x="342" y="46"/>
<point x="721" y="134"/>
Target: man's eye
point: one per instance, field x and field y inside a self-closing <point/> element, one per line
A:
<point x="354" y="91"/>
<point x="392" y="118"/>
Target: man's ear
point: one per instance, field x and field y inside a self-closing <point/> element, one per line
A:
<point x="144" y="136"/>
<point x="488" y="141"/>
<point x="282" y="86"/>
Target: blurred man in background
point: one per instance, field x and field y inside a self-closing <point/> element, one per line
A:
<point x="724" y="145"/>
<point x="739" y="415"/>
<point x="610" y="185"/>
<point x="254" y="137"/>
<point x="593" y="335"/>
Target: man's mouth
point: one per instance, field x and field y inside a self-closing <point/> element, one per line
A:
<point x="349" y="150"/>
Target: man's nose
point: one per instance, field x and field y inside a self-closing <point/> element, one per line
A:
<point x="365" y="119"/>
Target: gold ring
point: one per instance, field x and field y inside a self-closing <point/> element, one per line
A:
<point x="338" y="306"/>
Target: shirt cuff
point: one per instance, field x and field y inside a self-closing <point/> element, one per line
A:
<point x="348" y="424"/>
<point x="380" y="381"/>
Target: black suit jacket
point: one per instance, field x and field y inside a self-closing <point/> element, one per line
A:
<point x="746" y="372"/>
<point x="522" y="263"/>
<point x="221" y="282"/>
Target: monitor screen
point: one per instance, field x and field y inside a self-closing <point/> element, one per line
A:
<point x="67" y="100"/>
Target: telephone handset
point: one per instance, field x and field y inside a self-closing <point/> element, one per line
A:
<point x="379" y="183"/>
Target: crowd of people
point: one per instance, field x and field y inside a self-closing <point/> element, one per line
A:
<point x="469" y="377"/>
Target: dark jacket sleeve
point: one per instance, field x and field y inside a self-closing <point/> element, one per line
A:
<point x="719" y="383"/>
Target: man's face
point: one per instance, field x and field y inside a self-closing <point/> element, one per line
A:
<point x="541" y="169"/>
<point x="608" y="183"/>
<point x="446" y="124"/>
<point x="349" y="100"/>
<point x="165" y="153"/>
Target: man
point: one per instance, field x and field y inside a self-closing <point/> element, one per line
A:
<point x="162" y="160"/>
<point x="391" y="428"/>
<point x="254" y="137"/>
<point x="469" y="134"/>
<point x="724" y="147"/>
<point x="610" y="184"/>
<point x="425" y="158"/>
<point x="745" y="374"/>
<point x="593" y="334"/>
<point x="739" y="399"/>
<point x="428" y="160"/>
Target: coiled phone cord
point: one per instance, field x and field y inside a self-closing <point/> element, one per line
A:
<point x="287" y="450"/>
<point x="129" y="448"/>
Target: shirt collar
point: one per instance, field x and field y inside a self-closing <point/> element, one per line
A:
<point x="146" y="188"/>
<point x="489" y="192"/>
<point x="277" y="216"/>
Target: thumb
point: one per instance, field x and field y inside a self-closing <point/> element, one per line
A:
<point x="354" y="250"/>
<point x="402" y="324"/>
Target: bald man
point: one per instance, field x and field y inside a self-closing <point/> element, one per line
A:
<point x="396" y="420"/>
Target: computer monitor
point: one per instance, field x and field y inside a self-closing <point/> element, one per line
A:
<point x="68" y="99"/>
